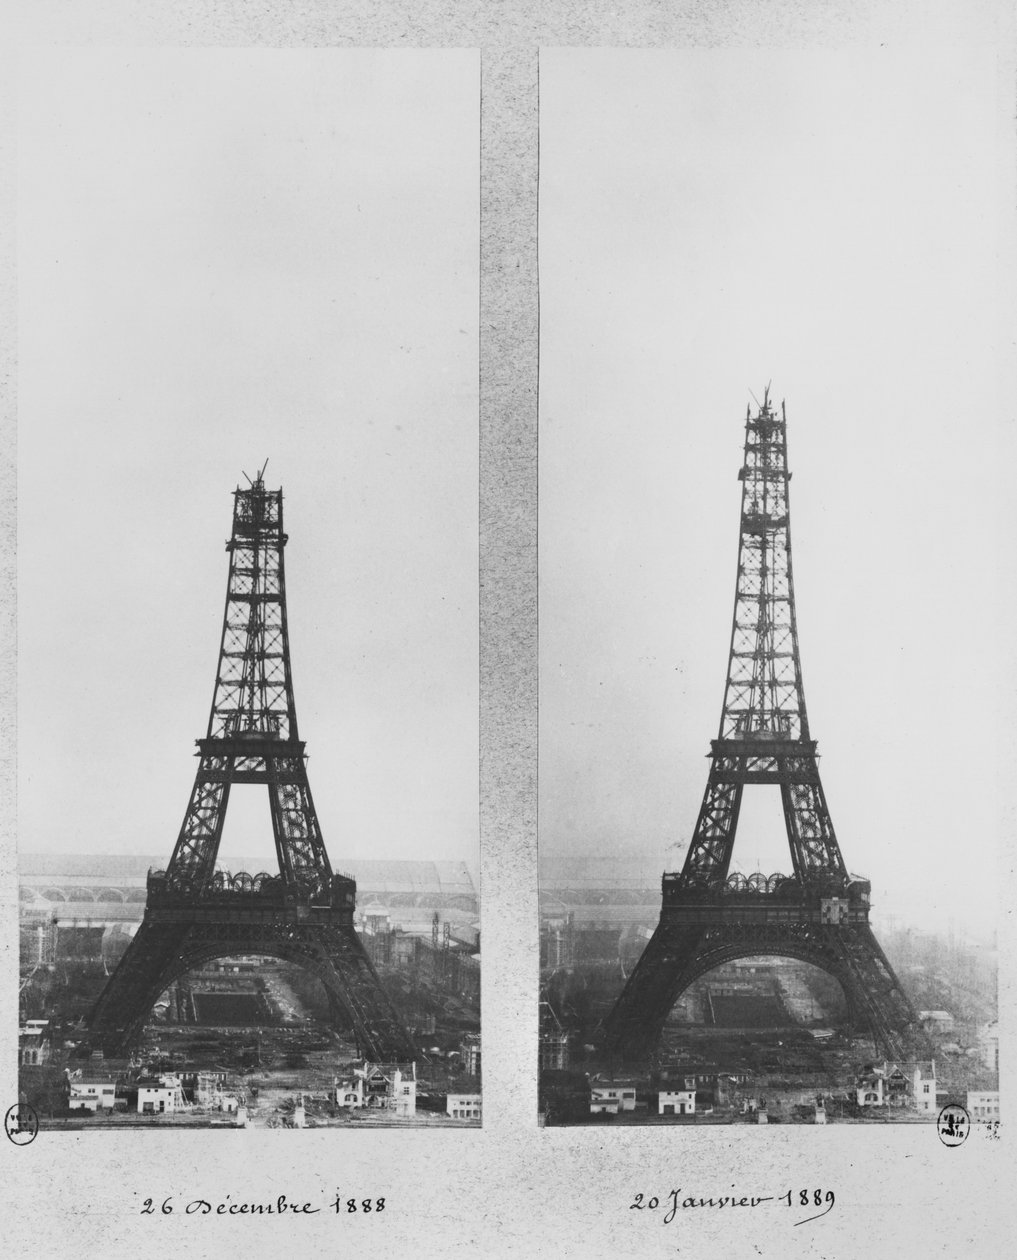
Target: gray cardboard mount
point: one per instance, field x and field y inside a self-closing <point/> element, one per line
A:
<point x="510" y="1189"/>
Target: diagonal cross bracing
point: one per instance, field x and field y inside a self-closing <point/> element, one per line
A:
<point x="820" y="913"/>
<point x="194" y="912"/>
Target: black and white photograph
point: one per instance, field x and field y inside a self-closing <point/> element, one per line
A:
<point x="760" y="265"/>
<point x="524" y="481"/>
<point x="248" y="312"/>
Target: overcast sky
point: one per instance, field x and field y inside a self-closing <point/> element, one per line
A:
<point x="228" y="256"/>
<point x="712" y="220"/>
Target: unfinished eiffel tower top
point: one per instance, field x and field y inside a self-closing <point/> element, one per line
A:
<point x="252" y="729"/>
<point x="764" y="726"/>
<point x="253" y="697"/>
<point x="763" y="696"/>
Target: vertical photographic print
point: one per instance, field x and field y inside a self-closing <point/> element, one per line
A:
<point x="247" y="565"/>
<point x="770" y="308"/>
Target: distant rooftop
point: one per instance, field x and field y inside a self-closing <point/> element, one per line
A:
<point x="599" y="872"/>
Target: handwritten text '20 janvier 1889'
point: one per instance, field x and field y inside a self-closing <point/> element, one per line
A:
<point x="673" y="1202"/>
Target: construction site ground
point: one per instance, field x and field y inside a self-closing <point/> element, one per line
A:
<point x="292" y="1053"/>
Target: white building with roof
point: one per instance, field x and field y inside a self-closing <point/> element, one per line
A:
<point x="622" y="1092"/>
<point x="388" y="1086"/>
<point x="924" y="1088"/>
<point x="983" y="1105"/>
<point x="91" y="1091"/>
<point x="677" y="1099"/>
<point x="158" y="1095"/>
<point x="869" y="1088"/>
<point x="375" y="918"/>
<point x="463" y="1106"/>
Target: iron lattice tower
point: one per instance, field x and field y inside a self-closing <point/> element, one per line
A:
<point x="820" y="913"/>
<point x="194" y="912"/>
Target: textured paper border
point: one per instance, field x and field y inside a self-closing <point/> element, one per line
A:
<point x="510" y="1190"/>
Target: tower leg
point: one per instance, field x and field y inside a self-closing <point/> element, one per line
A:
<point x="634" y="1026"/>
<point x="145" y="970"/>
<point x="351" y="978"/>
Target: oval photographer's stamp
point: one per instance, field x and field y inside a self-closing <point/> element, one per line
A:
<point x="953" y="1124"/>
<point x="21" y="1124"/>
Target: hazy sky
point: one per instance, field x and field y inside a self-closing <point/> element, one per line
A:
<point x="228" y="256"/>
<point x="831" y="220"/>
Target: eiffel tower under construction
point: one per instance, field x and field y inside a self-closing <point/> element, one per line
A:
<point x="819" y="914"/>
<point x="195" y="913"/>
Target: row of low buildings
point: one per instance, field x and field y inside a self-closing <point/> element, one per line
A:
<point x="693" y="1090"/>
<point x="913" y="1086"/>
<point x="678" y="1099"/>
<point x="92" y="1091"/>
<point x="672" y="1094"/>
<point x="392" y="1087"/>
